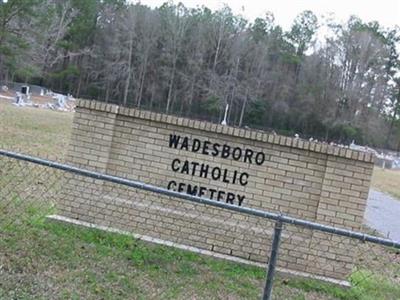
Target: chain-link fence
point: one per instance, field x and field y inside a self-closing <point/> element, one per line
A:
<point x="40" y="259"/>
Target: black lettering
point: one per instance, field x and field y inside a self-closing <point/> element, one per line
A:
<point x="230" y="197"/>
<point x="185" y="167"/>
<point x="237" y="153"/>
<point x="204" y="170"/>
<point x="181" y="187"/>
<point x="202" y="191"/>
<point x="205" y="147"/>
<point x="212" y="192"/>
<point x="173" y="164"/>
<point x="248" y="155"/>
<point x="170" y="184"/>
<point x="225" y="151"/>
<point x="194" y="166"/>
<point x="191" y="189"/>
<point x="243" y="178"/>
<point x="260" y="158"/>
<point x="224" y="178"/>
<point x="240" y="199"/>
<point x="185" y="143"/>
<point x="174" y="140"/>
<point x="216" y="173"/>
<point x="234" y="178"/>
<point x="196" y="145"/>
<point x="220" y="195"/>
<point x="215" y="149"/>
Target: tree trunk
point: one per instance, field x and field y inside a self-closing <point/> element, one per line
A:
<point x="171" y="83"/>
<point x="152" y="95"/>
<point x="191" y="97"/>
<point x="107" y="96"/>
<point x="243" y="108"/>
<point x="394" y="117"/>
<point x="141" y="83"/>
<point x="128" y="78"/>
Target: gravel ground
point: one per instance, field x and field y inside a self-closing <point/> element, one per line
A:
<point x="383" y="214"/>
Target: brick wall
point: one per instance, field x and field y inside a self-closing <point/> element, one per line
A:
<point x="303" y="179"/>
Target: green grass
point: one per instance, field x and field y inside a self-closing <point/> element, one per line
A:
<point x="366" y="286"/>
<point x="43" y="259"/>
<point x="374" y="286"/>
<point x="92" y="264"/>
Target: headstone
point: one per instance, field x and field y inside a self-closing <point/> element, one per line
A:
<point x="19" y="100"/>
<point x="61" y="100"/>
<point x="25" y="90"/>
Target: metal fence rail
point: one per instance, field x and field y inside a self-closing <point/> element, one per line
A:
<point x="278" y="218"/>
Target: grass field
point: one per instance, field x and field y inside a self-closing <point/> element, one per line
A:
<point x="387" y="181"/>
<point x="48" y="260"/>
<point x="34" y="131"/>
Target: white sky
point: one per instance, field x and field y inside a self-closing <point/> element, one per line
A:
<point x="386" y="12"/>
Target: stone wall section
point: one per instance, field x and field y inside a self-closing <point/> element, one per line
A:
<point x="308" y="180"/>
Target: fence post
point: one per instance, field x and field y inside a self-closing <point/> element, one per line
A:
<point x="272" y="261"/>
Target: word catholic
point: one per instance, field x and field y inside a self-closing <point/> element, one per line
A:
<point x="206" y="171"/>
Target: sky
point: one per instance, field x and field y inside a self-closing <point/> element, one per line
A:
<point x="386" y="12"/>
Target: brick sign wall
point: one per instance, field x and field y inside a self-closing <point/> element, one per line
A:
<point x="308" y="180"/>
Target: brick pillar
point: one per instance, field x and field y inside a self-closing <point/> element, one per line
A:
<point x="343" y="199"/>
<point x="89" y="148"/>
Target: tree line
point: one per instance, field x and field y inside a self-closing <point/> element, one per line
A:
<point x="193" y="62"/>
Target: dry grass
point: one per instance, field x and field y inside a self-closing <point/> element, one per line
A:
<point x="34" y="131"/>
<point x="387" y="181"/>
